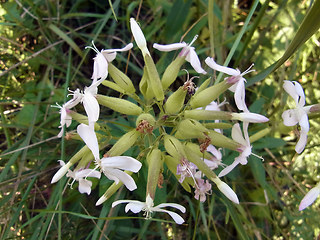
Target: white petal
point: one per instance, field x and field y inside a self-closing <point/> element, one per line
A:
<point x="227" y="191"/>
<point x="174" y="205"/>
<point x="300" y="92"/>
<point x="124" y="49"/>
<point x="100" y="67"/>
<point x="290" y="88"/>
<point x="122" y="162"/>
<point x="301" y="142"/>
<point x="228" y="169"/>
<point x="135" y="207"/>
<point x="139" y="36"/>
<point x="176" y="217"/>
<point x="169" y="47"/>
<point x="91" y="106"/>
<point x="290" y="117"/>
<point x="193" y="59"/>
<point x="237" y="136"/>
<point x="213" y="106"/>
<point x="123" y="201"/>
<point x="84" y="186"/>
<point x="89" y="137"/>
<point x="61" y="172"/>
<point x="88" y="173"/>
<point x="239" y="96"/>
<point x="215" y="152"/>
<point x="304" y="122"/>
<point x="230" y="71"/>
<point x="118" y="175"/>
<point x="309" y="198"/>
<point x="250" y="117"/>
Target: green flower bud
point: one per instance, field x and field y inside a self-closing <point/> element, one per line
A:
<point x="155" y="162"/>
<point x="174" y="147"/>
<point x="218" y="125"/>
<point x="200" y="114"/>
<point x="113" y="86"/>
<point x="82" y="119"/>
<point x="203" y="86"/>
<point x="153" y="77"/>
<point x="219" y="140"/>
<point x="175" y="101"/>
<point x="189" y="128"/>
<point x="120" y="105"/>
<point x="196" y="149"/>
<point x="171" y="72"/>
<point x="209" y="94"/>
<point x="259" y="134"/>
<point x="121" y="79"/>
<point x="124" y="143"/>
<point x="143" y="85"/>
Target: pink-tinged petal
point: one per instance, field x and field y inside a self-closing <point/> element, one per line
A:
<point x="100" y="67"/>
<point x="174" y="205"/>
<point x="290" y="88"/>
<point x="290" y="117"/>
<point x="169" y="47"/>
<point x="121" y="162"/>
<point x="118" y="175"/>
<point x="215" y="152"/>
<point x="135" y="207"/>
<point x="227" y="191"/>
<point x="309" y="198"/>
<point x="237" y="136"/>
<point x="139" y="36"/>
<point x="176" y="217"/>
<point x="91" y="106"/>
<point x="193" y="59"/>
<point x="301" y="142"/>
<point x="239" y="96"/>
<point x="85" y="186"/>
<point x="88" y="173"/>
<point x="228" y="169"/>
<point x="300" y="92"/>
<point x="89" y="137"/>
<point x="304" y="122"/>
<point x="230" y="71"/>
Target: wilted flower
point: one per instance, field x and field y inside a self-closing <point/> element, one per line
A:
<point x="148" y="207"/>
<point x="187" y="51"/>
<point x="186" y="169"/>
<point x="201" y="189"/>
<point x="236" y="78"/>
<point x="103" y="58"/>
<point x="310" y="197"/>
<point x="112" y="166"/>
<point x="216" y="160"/>
<point x="298" y="115"/>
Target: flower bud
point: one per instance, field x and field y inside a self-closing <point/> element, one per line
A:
<point x="203" y="86"/>
<point x="155" y="161"/>
<point x="124" y="143"/>
<point x="174" y="147"/>
<point x="209" y="94"/>
<point x="249" y="117"/>
<point x="121" y="79"/>
<point x="218" y="125"/>
<point x="200" y="114"/>
<point x="259" y="135"/>
<point x="120" y="105"/>
<point x="153" y="78"/>
<point x="175" y="101"/>
<point x="219" y="140"/>
<point x="113" y="86"/>
<point x="189" y="128"/>
<point x="196" y="149"/>
<point x="226" y="190"/>
<point x="171" y="72"/>
<point x="143" y="84"/>
<point x="82" y="119"/>
<point x="61" y="172"/>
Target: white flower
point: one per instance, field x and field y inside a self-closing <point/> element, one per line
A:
<point x="236" y="78"/>
<point x="139" y="37"/>
<point x="103" y="58"/>
<point x="187" y="51"/>
<point x="61" y="172"/>
<point x="111" y="166"/>
<point x="148" y="208"/>
<point x="186" y="169"/>
<point x="89" y="137"/>
<point x="310" y="197"/>
<point x="249" y="117"/>
<point x="298" y="115"/>
<point x="237" y="136"/>
<point x="216" y="160"/>
<point x="226" y="190"/>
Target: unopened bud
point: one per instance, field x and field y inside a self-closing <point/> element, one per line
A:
<point x="61" y="172"/>
<point x="219" y="140"/>
<point x="209" y="94"/>
<point x="203" y="86"/>
<point x="175" y="101"/>
<point x="120" y="105"/>
<point x="113" y="86"/>
<point x="124" y="143"/>
<point x="174" y="147"/>
<point x="80" y="118"/>
<point x="226" y="190"/>
<point x="155" y="161"/>
<point x="139" y="36"/>
<point x="121" y="79"/>
<point x="189" y="128"/>
<point x="259" y="135"/>
<point x="200" y="114"/>
<point x="218" y="125"/>
<point x="249" y="117"/>
<point x="171" y="72"/>
<point x="153" y="78"/>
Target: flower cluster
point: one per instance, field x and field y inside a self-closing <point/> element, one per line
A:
<point x="182" y="130"/>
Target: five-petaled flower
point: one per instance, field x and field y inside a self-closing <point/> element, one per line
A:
<point x="299" y="114"/>
<point x="148" y="207"/>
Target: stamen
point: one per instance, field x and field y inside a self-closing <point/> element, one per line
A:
<point x="56" y="106"/>
<point x="193" y="40"/>
<point x="261" y="158"/>
<point x="248" y="70"/>
<point x="94" y="48"/>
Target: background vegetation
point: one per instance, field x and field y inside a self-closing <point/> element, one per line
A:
<point x="42" y="45"/>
